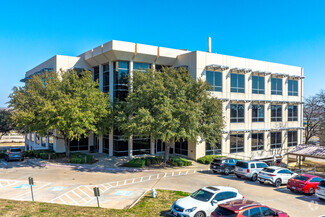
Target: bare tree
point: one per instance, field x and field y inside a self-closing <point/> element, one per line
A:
<point x="312" y="117"/>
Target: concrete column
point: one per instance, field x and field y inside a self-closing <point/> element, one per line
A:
<point x="152" y="145"/>
<point x="47" y="141"/>
<point x="100" y="146"/>
<point x="130" y="146"/>
<point x="101" y="77"/>
<point x="111" y="143"/>
<point x="111" y="82"/>
<point x="90" y="140"/>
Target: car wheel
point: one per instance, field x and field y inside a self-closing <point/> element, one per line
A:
<point x="238" y="176"/>
<point x="6" y="159"/>
<point x="254" y="177"/>
<point x="277" y="183"/>
<point x="261" y="182"/>
<point x="227" y="171"/>
<point x="311" y="191"/>
<point x="214" y="171"/>
<point x="199" y="214"/>
<point x="291" y="189"/>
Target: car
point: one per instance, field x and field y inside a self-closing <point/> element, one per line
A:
<point x="275" y="175"/>
<point x="320" y="190"/>
<point x="304" y="183"/>
<point x="249" y="169"/>
<point x="204" y="201"/>
<point x="246" y="208"/>
<point x="14" y="154"/>
<point x="223" y="165"/>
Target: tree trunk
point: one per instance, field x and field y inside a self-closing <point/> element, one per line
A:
<point x="67" y="146"/>
<point x="166" y="155"/>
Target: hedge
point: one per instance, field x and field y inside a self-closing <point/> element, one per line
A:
<point x="81" y="158"/>
<point x="208" y="159"/>
<point x="148" y="161"/>
<point x="138" y="162"/>
<point x="178" y="161"/>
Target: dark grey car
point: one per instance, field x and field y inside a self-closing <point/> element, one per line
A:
<point x="14" y="154"/>
<point x="223" y="165"/>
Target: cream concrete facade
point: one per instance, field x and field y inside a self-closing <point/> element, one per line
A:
<point x="198" y="63"/>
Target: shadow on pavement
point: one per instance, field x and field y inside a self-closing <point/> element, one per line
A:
<point x="34" y="163"/>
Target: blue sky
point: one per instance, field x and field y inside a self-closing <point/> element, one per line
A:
<point x="288" y="32"/>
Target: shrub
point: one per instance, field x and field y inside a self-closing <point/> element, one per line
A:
<point x="208" y="159"/>
<point x="44" y="156"/>
<point x="81" y="158"/>
<point x="178" y="161"/>
<point x="137" y="162"/>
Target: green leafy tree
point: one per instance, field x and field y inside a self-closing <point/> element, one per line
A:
<point x="5" y="123"/>
<point x="67" y="102"/>
<point x="170" y="106"/>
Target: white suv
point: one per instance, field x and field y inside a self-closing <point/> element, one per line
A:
<point x="249" y="169"/>
<point x="275" y="175"/>
<point x="204" y="201"/>
<point x="320" y="190"/>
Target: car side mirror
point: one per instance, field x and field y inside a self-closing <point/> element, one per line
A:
<point x="214" y="201"/>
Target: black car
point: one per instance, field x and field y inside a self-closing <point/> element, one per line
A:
<point x="223" y="165"/>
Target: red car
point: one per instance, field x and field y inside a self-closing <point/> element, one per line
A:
<point x="246" y="208"/>
<point x="304" y="183"/>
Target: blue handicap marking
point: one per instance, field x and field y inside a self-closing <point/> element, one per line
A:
<point x="24" y="186"/>
<point x="56" y="188"/>
<point x="123" y="193"/>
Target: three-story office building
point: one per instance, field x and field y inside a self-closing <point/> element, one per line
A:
<point x="262" y="101"/>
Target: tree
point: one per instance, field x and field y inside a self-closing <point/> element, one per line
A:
<point x="67" y="102"/>
<point x="5" y="124"/>
<point x="312" y="116"/>
<point x="170" y="106"/>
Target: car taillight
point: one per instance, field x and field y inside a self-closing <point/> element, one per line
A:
<point x="248" y="170"/>
<point x="272" y="175"/>
<point x="10" y="152"/>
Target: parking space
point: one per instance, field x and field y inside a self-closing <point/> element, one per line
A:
<point x="119" y="190"/>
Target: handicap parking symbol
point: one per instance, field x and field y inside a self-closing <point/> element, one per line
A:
<point x="56" y="188"/>
<point x="123" y="193"/>
<point x="24" y="186"/>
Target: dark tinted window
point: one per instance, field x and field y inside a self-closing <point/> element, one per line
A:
<point x="292" y="113"/>
<point x="237" y="83"/>
<point x="230" y="194"/>
<point x="236" y="143"/>
<point x="246" y="213"/>
<point x="242" y="164"/>
<point x="215" y="80"/>
<point x="225" y="212"/>
<point x="292" y="87"/>
<point x="301" y="178"/>
<point x="276" y="86"/>
<point x="267" y="211"/>
<point x="261" y="165"/>
<point x="276" y="113"/>
<point x="252" y="165"/>
<point x="255" y="212"/>
<point x="217" y="161"/>
<point x="237" y="113"/>
<point x="202" y="195"/>
<point x="258" y="85"/>
<point x="316" y="179"/>
<point x="258" y="113"/>
<point x="15" y="150"/>
<point x="268" y="170"/>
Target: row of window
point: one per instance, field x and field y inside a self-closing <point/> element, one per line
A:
<point x="237" y="84"/>
<point x="237" y="142"/>
<point x="237" y="113"/>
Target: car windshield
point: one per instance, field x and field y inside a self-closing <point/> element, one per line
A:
<point x="268" y="170"/>
<point x="322" y="183"/>
<point x="202" y="195"/>
<point x="242" y="164"/>
<point x="301" y="178"/>
<point x="15" y="150"/>
<point x="217" y="161"/>
<point x="225" y="212"/>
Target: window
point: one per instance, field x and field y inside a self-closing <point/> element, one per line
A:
<point x="261" y="165"/>
<point x="257" y="141"/>
<point x="292" y="113"/>
<point x="285" y="172"/>
<point x="255" y="212"/>
<point x="267" y="211"/>
<point x="106" y="144"/>
<point x="96" y="73"/>
<point x="141" y="145"/>
<point x="236" y="143"/>
<point x="213" y="149"/>
<point x="106" y="78"/>
<point x="292" y="88"/>
<point x="120" y="144"/>
<point x="258" y="85"/>
<point x="316" y="179"/>
<point x="258" y="113"/>
<point x="141" y="66"/>
<point x="237" y="112"/>
<point x="32" y="137"/>
<point x="292" y="138"/>
<point x="37" y="138"/>
<point x="252" y="166"/>
<point x="276" y="140"/>
<point x="276" y="113"/>
<point x="215" y="80"/>
<point x="79" y="145"/>
<point x="121" y="73"/>
<point x="237" y="83"/>
<point x="27" y="136"/>
<point x="276" y="86"/>
<point x="43" y="141"/>
<point x="181" y="147"/>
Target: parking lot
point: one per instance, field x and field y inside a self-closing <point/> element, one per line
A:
<point x="73" y="186"/>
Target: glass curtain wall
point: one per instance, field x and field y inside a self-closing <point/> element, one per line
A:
<point x="121" y="85"/>
<point x="213" y="149"/>
<point x="106" y="78"/>
<point x="181" y="147"/>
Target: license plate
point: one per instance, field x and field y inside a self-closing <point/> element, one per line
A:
<point x="16" y="155"/>
<point x="175" y="213"/>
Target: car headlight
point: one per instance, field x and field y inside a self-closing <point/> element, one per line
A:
<point x="190" y="210"/>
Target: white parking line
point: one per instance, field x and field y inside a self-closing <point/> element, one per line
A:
<point x="4" y="163"/>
